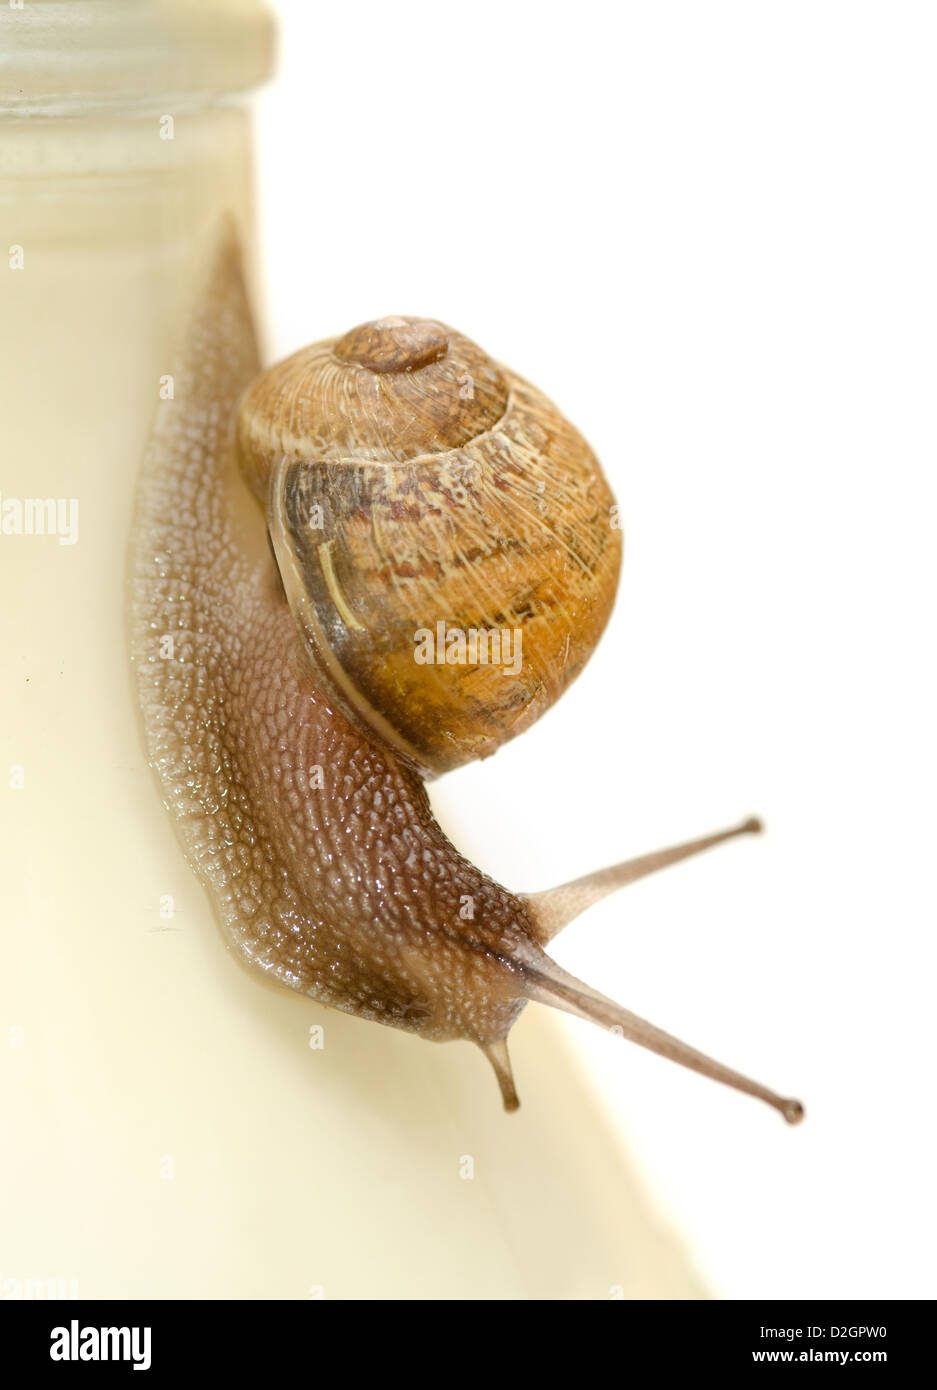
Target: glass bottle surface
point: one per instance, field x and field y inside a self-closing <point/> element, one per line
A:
<point x="174" y="1130"/>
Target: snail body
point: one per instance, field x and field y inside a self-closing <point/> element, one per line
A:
<point x="405" y="482"/>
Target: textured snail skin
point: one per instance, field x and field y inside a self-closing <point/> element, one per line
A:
<point x="347" y="891"/>
<point x="332" y="891"/>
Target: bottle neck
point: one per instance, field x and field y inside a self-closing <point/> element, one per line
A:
<point x="90" y="57"/>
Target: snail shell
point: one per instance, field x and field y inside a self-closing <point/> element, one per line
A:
<point x="410" y="481"/>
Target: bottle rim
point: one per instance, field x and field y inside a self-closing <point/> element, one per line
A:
<point x="69" y="57"/>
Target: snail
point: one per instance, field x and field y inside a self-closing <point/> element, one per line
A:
<point x="296" y="531"/>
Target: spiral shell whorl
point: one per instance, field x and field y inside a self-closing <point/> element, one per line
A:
<point x="380" y="395"/>
<point x="409" y="482"/>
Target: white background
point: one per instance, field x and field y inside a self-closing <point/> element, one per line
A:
<point x="709" y="232"/>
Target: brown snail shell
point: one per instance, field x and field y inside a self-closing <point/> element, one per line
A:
<point x="410" y="482"/>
